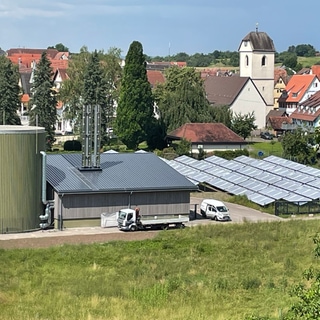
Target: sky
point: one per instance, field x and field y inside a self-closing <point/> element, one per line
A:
<point x="163" y="27"/>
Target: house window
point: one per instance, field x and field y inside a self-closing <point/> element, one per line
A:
<point x="315" y="84"/>
<point x="294" y="95"/>
<point x="263" y="60"/>
<point x="247" y="60"/>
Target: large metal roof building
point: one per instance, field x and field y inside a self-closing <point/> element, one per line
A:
<point x="122" y="180"/>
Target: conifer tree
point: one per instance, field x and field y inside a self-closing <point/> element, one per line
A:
<point x="44" y="100"/>
<point x="135" y="105"/>
<point x="9" y="93"/>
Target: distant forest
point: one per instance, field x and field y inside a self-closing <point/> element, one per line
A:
<point x="289" y="58"/>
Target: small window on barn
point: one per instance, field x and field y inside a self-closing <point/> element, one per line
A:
<point x="263" y="60"/>
<point x="247" y="60"/>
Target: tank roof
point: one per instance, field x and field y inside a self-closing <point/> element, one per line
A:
<point x="6" y="129"/>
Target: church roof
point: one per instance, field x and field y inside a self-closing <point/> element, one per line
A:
<point x="260" y="41"/>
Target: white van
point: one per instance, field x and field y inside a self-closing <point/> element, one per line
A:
<point x="215" y="210"/>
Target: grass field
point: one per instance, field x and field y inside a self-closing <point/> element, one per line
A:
<point x="221" y="271"/>
<point x="268" y="148"/>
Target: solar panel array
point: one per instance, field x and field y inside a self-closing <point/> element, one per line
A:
<point x="263" y="181"/>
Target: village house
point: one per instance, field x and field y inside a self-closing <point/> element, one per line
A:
<point x="298" y="89"/>
<point x="307" y="114"/>
<point x="207" y="136"/>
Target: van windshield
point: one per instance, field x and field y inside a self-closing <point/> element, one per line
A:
<point x="222" y="209"/>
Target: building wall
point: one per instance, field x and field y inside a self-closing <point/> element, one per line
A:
<point x="75" y="209"/>
<point x="216" y="147"/>
<point x="249" y="100"/>
<point x="278" y="88"/>
<point x="261" y="75"/>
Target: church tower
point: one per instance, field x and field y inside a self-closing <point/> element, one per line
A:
<point x="257" y="62"/>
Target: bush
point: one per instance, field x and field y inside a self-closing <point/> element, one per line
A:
<point x="231" y="154"/>
<point x="72" y="145"/>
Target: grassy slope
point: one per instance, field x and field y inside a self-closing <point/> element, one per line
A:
<point x="221" y="271"/>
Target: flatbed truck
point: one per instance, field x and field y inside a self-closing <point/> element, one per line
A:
<point x="129" y="220"/>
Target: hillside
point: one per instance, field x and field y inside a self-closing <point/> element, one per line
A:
<point x="221" y="271"/>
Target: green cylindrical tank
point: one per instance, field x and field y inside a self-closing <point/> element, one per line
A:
<point x="20" y="177"/>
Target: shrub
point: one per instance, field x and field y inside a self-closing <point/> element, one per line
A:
<point x="72" y="145"/>
<point x="231" y="154"/>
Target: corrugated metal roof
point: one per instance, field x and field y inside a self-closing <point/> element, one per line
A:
<point x="119" y="172"/>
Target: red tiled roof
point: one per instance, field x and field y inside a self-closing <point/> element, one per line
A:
<point x="59" y="64"/>
<point x="298" y="85"/>
<point x="59" y="105"/>
<point x="207" y="133"/>
<point x="305" y="115"/>
<point x="178" y="63"/>
<point x="155" y="77"/>
<point x="25" y="57"/>
<point x="316" y="70"/>
<point x="313" y="101"/>
<point x="51" y="53"/>
<point x="276" y="122"/>
<point x="63" y="74"/>
<point x="280" y="73"/>
<point x="25" y="98"/>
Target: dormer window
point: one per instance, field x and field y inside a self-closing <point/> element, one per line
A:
<point x="294" y="95"/>
<point x="263" y="60"/>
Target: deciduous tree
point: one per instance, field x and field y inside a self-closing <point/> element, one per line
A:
<point x="44" y="99"/>
<point x="243" y="124"/>
<point x="299" y="146"/>
<point x="71" y="92"/>
<point x="182" y="98"/>
<point x="9" y="92"/>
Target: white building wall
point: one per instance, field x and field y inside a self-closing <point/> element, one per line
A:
<point x="250" y="101"/>
<point x="215" y="147"/>
<point x="262" y="75"/>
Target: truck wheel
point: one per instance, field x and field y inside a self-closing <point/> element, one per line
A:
<point x="133" y="228"/>
<point x="180" y="226"/>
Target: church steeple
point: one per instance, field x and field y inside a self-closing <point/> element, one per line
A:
<point x="257" y="53"/>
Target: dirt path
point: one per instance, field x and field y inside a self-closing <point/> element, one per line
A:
<point x="44" y="242"/>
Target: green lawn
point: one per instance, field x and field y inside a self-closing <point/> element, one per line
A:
<point x="220" y="271"/>
<point x="268" y="148"/>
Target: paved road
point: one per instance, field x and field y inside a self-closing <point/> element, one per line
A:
<point x="238" y="214"/>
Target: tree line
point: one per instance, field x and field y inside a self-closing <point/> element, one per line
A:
<point x="127" y="102"/>
<point x="287" y="58"/>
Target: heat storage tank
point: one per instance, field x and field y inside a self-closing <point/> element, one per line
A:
<point x="21" y="177"/>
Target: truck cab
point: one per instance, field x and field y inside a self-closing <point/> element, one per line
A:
<point x="215" y="210"/>
<point x="127" y="220"/>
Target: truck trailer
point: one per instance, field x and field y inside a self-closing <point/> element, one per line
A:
<point x="131" y="220"/>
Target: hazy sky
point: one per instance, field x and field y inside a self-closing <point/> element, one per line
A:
<point x="162" y="26"/>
